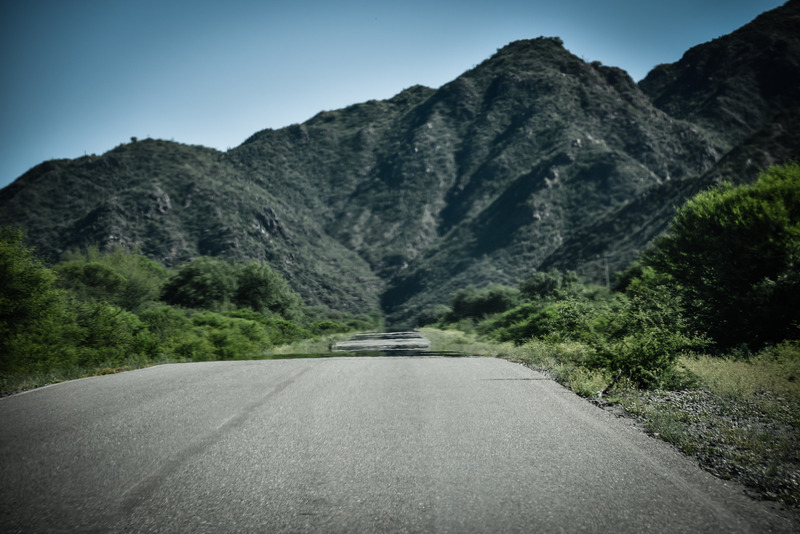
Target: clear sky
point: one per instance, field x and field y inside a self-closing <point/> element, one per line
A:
<point x="82" y="76"/>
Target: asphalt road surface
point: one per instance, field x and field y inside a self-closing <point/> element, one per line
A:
<point x="394" y="444"/>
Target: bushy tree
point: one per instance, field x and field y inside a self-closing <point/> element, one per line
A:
<point x="734" y="256"/>
<point x="548" y="285"/>
<point x="123" y="278"/>
<point x="108" y="335"/>
<point x="262" y="289"/>
<point x="539" y="316"/>
<point x="32" y="310"/>
<point x="91" y="280"/>
<point x="27" y="287"/>
<point x="433" y="315"/>
<point x="474" y="303"/>
<point x="207" y="283"/>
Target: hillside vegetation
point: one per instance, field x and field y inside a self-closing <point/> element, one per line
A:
<point x="99" y="312"/>
<point x="700" y="338"/>
<point x="533" y="160"/>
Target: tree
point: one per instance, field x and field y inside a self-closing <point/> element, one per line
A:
<point x="207" y="283"/>
<point x="33" y="312"/>
<point x="479" y="303"/>
<point x="27" y="286"/>
<point x="91" y="280"/>
<point x="734" y="256"/>
<point x="120" y="277"/>
<point x="550" y="285"/>
<point x="262" y="289"/>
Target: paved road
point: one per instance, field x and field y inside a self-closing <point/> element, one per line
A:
<point x="397" y="444"/>
<point x="384" y="341"/>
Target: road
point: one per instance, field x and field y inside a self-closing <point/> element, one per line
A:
<point x="393" y="444"/>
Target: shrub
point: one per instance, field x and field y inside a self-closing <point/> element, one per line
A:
<point x="206" y="283"/>
<point x="33" y="312"/>
<point x="165" y="322"/>
<point x="262" y="289"/>
<point x="638" y="336"/>
<point x="433" y="315"/>
<point x="548" y="286"/>
<point x="109" y="335"/>
<point x="231" y="337"/>
<point x="734" y="255"/>
<point x="91" y="280"/>
<point x="321" y="328"/>
<point x="475" y="303"/>
<point x="125" y="279"/>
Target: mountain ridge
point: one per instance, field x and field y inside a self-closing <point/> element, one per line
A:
<point x="533" y="159"/>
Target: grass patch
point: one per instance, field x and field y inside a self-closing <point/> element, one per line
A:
<point x="317" y="345"/>
<point x="15" y="382"/>
<point x="775" y="370"/>
<point x="466" y="343"/>
<point x="741" y="420"/>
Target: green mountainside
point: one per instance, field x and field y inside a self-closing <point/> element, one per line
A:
<point x="532" y="160"/>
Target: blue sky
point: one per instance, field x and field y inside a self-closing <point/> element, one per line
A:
<point x="82" y="76"/>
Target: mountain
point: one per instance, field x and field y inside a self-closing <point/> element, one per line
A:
<point x="731" y="86"/>
<point x="533" y="159"/>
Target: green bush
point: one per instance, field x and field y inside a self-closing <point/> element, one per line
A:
<point x="203" y="283"/>
<point x="542" y="316"/>
<point x="231" y="337"/>
<point x="109" y="335"/>
<point x="473" y="303"/>
<point x="90" y="281"/>
<point x="262" y="289"/>
<point x="548" y="286"/>
<point x="125" y="279"/>
<point x="638" y="336"/>
<point x="34" y="315"/>
<point x="529" y="320"/>
<point x="734" y="256"/>
<point x="280" y="331"/>
<point x="322" y="328"/>
<point x="433" y="315"/>
<point x="165" y="322"/>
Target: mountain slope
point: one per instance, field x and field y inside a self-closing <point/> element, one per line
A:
<point x="531" y="160"/>
<point x="176" y="202"/>
<point x="734" y="84"/>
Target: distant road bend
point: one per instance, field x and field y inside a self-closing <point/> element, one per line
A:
<point x="347" y="444"/>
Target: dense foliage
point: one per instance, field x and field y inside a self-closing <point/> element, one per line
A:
<point x="108" y="309"/>
<point x="637" y="334"/>
<point x="734" y="256"/>
<point x="726" y="276"/>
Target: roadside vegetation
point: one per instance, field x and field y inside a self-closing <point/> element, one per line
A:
<point x="699" y="338"/>
<point x="102" y="312"/>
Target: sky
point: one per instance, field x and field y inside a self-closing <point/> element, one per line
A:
<point x="80" y="77"/>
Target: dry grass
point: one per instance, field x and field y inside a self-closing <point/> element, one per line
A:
<point x="775" y="371"/>
<point x="557" y="360"/>
<point x="317" y="345"/>
<point x="458" y="341"/>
